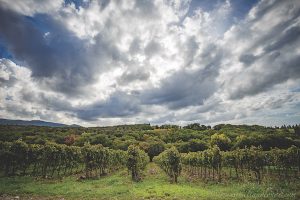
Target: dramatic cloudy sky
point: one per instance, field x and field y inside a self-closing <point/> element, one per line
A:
<point x="112" y="62"/>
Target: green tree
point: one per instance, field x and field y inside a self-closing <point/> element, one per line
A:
<point x="221" y="140"/>
<point x="155" y="149"/>
<point x="197" y="145"/>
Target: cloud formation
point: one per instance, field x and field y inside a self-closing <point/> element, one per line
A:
<point x="163" y="61"/>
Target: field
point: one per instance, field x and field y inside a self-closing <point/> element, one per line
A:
<point x="146" y="162"/>
<point x="155" y="185"/>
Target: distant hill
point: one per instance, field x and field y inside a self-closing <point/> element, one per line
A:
<point x="34" y="123"/>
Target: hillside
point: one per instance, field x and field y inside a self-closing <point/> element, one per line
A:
<point x="33" y="123"/>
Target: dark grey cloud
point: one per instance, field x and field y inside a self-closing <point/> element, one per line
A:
<point x="24" y="41"/>
<point x="183" y="88"/>
<point x="189" y="50"/>
<point x="9" y="80"/>
<point x="26" y="111"/>
<point x="278" y="61"/>
<point x="60" y="60"/>
<point x="276" y="103"/>
<point x="138" y="74"/>
<point x="248" y="59"/>
<point x="278" y="70"/>
<point x="104" y="4"/>
<point x="135" y="46"/>
<point x="264" y="7"/>
<point x="152" y="48"/>
<point x="187" y="87"/>
<point x="118" y="104"/>
<point x="145" y="9"/>
<point x="246" y="30"/>
<point x="53" y="102"/>
<point x="289" y="36"/>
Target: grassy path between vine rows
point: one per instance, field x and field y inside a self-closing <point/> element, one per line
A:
<point x="155" y="185"/>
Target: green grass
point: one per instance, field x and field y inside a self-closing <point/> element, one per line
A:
<point x="155" y="185"/>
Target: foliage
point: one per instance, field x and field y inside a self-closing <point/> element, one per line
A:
<point x="169" y="161"/>
<point x="225" y="152"/>
<point x="190" y="138"/>
<point x="197" y="126"/>
<point x="248" y="162"/>
<point x="56" y="159"/>
<point x="221" y="140"/>
<point x="136" y="162"/>
<point x="70" y="139"/>
<point x="197" y="145"/>
<point x="155" y="149"/>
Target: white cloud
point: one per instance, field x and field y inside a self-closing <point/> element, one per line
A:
<point x="31" y="7"/>
<point x="149" y="61"/>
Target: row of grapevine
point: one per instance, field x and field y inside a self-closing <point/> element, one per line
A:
<point x="101" y="160"/>
<point x="44" y="160"/>
<point x="169" y="161"/>
<point x="136" y="162"/>
<point x="56" y="159"/>
<point x="213" y="164"/>
<point x="206" y="164"/>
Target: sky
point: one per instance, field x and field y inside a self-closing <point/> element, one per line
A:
<point x="109" y="62"/>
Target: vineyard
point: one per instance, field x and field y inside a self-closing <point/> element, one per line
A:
<point x="183" y="156"/>
<point x="54" y="160"/>
<point x="244" y="164"/>
<point x="58" y="160"/>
